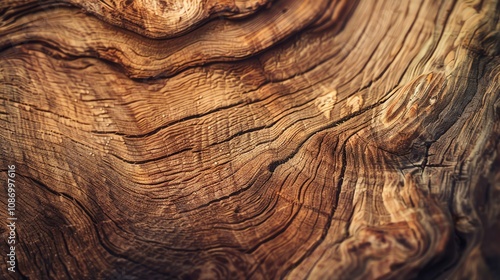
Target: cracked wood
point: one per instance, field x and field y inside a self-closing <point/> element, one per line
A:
<point x="258" y="139"/>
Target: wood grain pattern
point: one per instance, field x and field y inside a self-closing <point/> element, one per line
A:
<point x="253" y="139"/>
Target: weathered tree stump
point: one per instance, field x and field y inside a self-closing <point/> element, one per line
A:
<point x="256" y="139"/>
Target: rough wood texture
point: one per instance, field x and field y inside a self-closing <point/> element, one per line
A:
<point x="261" y="139"/>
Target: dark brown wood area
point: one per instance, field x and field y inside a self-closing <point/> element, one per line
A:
<point x="251" y="139"/>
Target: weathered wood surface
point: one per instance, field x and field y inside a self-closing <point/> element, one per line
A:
<point x="252" y="139"/>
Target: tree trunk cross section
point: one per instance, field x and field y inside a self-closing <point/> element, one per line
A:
<point x="251" y="139"/>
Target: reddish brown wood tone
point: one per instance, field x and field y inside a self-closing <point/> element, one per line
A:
<point x="258" y="139"/>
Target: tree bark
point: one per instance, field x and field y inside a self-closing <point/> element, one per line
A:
<point x="258" y="139"/>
